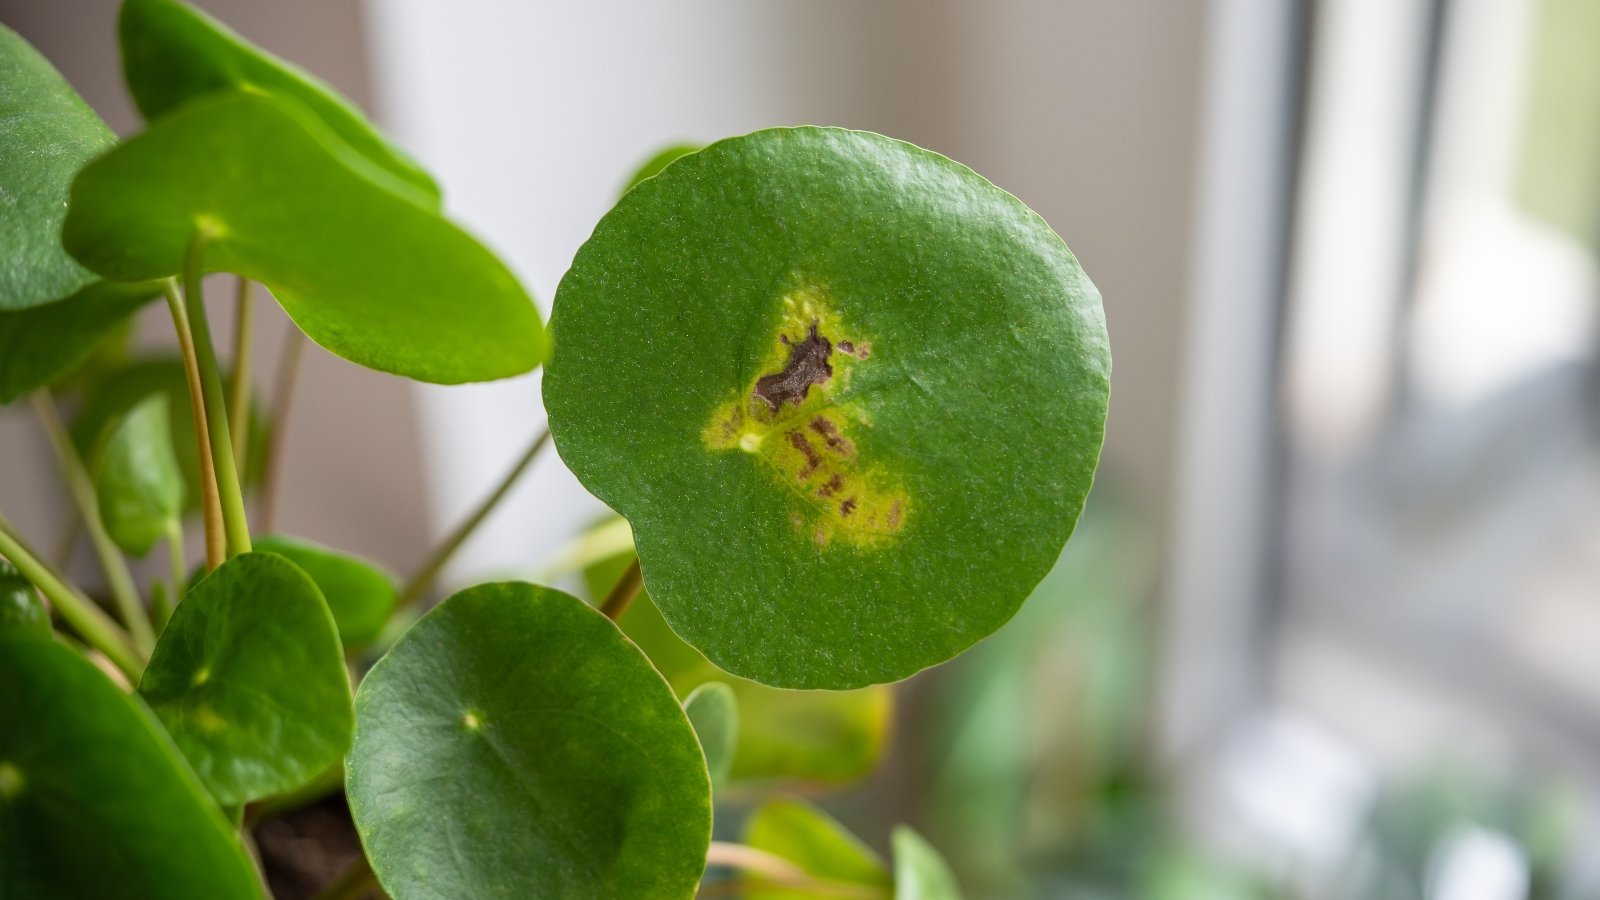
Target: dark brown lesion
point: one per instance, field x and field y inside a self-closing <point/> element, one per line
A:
<point x="813" y="460"/>
<point x="807" y="366"/>
<point x="831" y="437"/>
<point x="859" y="351"/>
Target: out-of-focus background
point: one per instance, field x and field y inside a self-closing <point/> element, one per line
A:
<point x="1331" y="625"/>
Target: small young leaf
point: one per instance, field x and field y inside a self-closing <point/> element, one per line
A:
<point x="714" y="713"/>
<point x="172" y="52"/>
<point x="137" y="478"/>
<point x="249" y="679"/>
<point x="653" y="166"/>
<point x="21" y="610"/>
<point x="362" y="269"/>
<point x="814" y="841"/>
<point x="85" y="769"/>
<point x="109" y="394"/>
<point x="920" y="873"/>
<point x="849" y="394"/>
<point x="160" y="604"/>
<point x="47" y="133"/>
<point x="44" y="344"/>
<point x="819" y="737"/>
<point x="359" y="593"/>
<point x="514" y="744"/>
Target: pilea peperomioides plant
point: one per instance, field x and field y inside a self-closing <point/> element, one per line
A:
<point x="847" y="395"/>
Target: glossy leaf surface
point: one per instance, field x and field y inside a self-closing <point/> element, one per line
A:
<point x="137" y="479"/>
<point x="920" y="873"/>
<point x="814" y="841"/>
<point x="849" y="394"/>
<point x="249" y="679"/>
<point x="44" y="344"/>
<point x="47" y="133"/>
<point x="359" y="593"/>
<point x="714" y="713"/>
<point x="826" y="737"/>
<point x="172" y="53"/>
<point x="21" y="610"/>
<point x="514" y="744"/>
<point x="361" y="268"/>
<point x="95" y="801"/>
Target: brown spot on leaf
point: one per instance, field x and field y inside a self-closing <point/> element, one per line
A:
<point x="834" y="485"/>
<point x="847" y="507"/>
<point x="799" y="442"/>
<point x="835" y="441"/>
<point x="807" y="365"/>
<point x="859" y="351"/>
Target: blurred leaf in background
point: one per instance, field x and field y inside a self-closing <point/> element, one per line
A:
<point x="1040" y="782"/>
<point x="111" y="391"/>
<point x="137" y="479"/>
<point x="821" y="737"/>
<point x="820" y="846"/>
<point x="1559" y="176"/>
<point x="1449" y="809"/>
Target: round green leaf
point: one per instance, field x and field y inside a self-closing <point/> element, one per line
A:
<point x="849" y="394"/>
<point x="172" y="52"/>
<point x="44" y="344"/>
<point x="714" y="713"/>
<point x="111" y="393"/>
<point x="359" y="593"/>
<point x="361" y="268"/>
<point x="249" y="679"/>
<point x="819" y="737"/>
<point x="47" y="133"/>
<point x="920" y="873"/>
<point x="814" y="841"/>
<point x="514" y="744"/>
<point x="21" y="610"/>
<point x="94" y="800"/>
<point x="137" y="479"/>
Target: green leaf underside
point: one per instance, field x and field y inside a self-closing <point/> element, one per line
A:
<point x="172" y="53"/>
<point x="94" y="800"/>
<point x="849" y="394"/>
<point x="110" y="394"/>
<point x="364" y="271"/>
<point x="44" y="344"/>
<point x="826" y="737"/>
<point x="663" y="158"/>
<point x="514" y="744"/>
<point x="46" y="133"/>
<point x="359" y="593"/>
<point x="812" y="840"/>
<point x="137" y="479"/>
<point x="714" y="712"/>
<point x="920" y="873"/>
<point x="249" y="679"/>
<point x="21" y="610"/>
